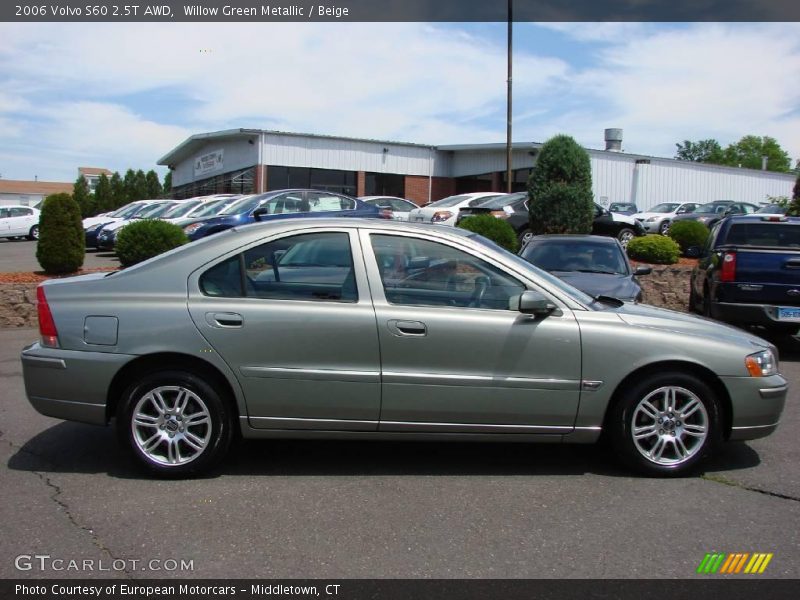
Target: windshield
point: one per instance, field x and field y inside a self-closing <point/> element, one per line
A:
<point x="154" y="210"/>
<point x="772" y="209"/>
<point x="581" y="256"/>
<point x="501" y="201"/>
<point x="552" y="280"/>
<point x="243" y="205"/>
<point x="449" y="201"/>
<point x="665" y="208"/>
<point x="711" y="208"/>
<point x="181" y="209"/>
<point x="126" y="210"/>
<point x="211" y="208"/>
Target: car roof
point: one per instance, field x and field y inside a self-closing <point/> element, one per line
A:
<point x="578" y="237"/>
<point x="763" y="218"/>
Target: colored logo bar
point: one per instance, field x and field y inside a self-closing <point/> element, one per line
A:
<point x="734" y="563"/>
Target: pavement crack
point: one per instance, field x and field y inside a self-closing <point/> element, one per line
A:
<point x="56" y="498"/>
<point x="736" y="484"/>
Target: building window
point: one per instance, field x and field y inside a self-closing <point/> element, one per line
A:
<point x="237" y="182"/>
<point x="385" y="184"/>
<point x="329" y="180"/>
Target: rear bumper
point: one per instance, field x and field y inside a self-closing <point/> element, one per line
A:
<point x="749" y="314"/>
<point x="757" y="404"/>
<point x="69" y="384"/>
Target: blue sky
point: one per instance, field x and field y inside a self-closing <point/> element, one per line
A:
<point x="122" y="95"/>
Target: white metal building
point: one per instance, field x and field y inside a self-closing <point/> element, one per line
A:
<point x="253" y="160"/>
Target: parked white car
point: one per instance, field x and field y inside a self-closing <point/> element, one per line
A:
<point x="400" y="208"/>
<point x="445" y="211"/>
<point x="19" y="221"/>
<point x="659" y="218"/>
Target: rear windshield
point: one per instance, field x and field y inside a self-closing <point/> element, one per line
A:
<point x="776" y="235"/>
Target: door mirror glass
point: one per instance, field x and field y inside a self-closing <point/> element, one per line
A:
<point x="643" y="270"/>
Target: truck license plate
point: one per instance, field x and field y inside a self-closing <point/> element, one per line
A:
<point x="788" y="313"/>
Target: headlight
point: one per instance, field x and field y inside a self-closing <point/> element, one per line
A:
<point x="652" y="219"/>
<point x="440" y="216"/>
<point x="761" y="364"/>
<point x="192" y="228"/>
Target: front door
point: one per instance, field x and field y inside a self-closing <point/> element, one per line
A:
<point x="293" y="319"/>
<point x="454" y="357"/>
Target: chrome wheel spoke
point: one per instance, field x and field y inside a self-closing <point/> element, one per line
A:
<point x="169" y="425"/>
<point x="662" y="435"/>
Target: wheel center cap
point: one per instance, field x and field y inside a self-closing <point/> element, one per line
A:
<point x="172" y="425"/>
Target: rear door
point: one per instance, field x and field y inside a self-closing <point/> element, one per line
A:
<point x="292" y="317"/>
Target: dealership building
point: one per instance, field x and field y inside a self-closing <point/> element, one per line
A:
<point x="254" y="160"/>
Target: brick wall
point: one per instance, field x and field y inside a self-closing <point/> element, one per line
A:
<point x="417" y="188"/>
<point x="361" y="183"/>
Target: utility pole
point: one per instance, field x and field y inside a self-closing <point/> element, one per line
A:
<point x="508" y="98"/>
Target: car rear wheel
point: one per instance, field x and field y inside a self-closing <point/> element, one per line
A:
<point x="33" y="234"/>
<point x="664" y="228"/>
<point x="524" y="237"/>
<point x="665" y="425"/>
<point x="625" y="236"/>
<point x="174" y="423"/>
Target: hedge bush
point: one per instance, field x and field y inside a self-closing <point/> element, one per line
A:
<point x="560" y="188"/>
<point x="497" y="230"/>
<point x="688" y="234"/>
<point x="655" y="249"/>
<point x="62" y="242"/>
<point x="147" y="238"/>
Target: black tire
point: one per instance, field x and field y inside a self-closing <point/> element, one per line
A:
<point x="626" y="416"/>
<point x="164" y="457"/>
<point x="663" y="229"/>
<point x="692" y="299"/>
<point x="706" y="302"/>
<point x="33" y="234"/>
<point x="625" y="235"/>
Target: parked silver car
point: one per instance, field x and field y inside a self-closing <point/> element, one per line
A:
<point x="378" y="329"/>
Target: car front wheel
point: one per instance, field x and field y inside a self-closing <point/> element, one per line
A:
<point x="664" y="426"/>
<point x="664" y="228"/>
<point x="174" y="423"/>
<point x="625" y="236"/>
<point x="524" y="237"/>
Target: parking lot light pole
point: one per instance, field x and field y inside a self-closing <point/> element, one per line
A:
<point x="508" y="98"/>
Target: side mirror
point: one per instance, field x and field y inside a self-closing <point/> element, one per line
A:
<point x="643" y="270"/>
<point x="531" y="302"/>
<point x="693" y="252"/>
<point x="259" y="212"/>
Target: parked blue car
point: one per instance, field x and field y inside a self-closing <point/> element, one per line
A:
<point x="283" y="204"/>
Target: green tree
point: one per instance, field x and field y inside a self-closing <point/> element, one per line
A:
<point x="560" y="188"/>
<point x="154" y="189"/>
<point x="140" y="191"/>
<point x="748" y="151"/>
<point x="61" y="246"/>
<point x="118" y="195"/>
<point x="103" y="201"/>
<point x="129" y="183"/>
<point x="794" y="205"/>
<point x="705" y="151"/>
<point x="168" y="183"/>
<point x="81" y="195"/>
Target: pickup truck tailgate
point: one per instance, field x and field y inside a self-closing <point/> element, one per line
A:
<point x="765" y="276"/>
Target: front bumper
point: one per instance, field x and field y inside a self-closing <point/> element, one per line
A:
<point x="757" y="404"/>
<point x="70" y="384"/>
<point x="652" y="227"/>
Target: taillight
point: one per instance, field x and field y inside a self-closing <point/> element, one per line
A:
<point x="728" y="272"/>
<point x="47" y="326"/>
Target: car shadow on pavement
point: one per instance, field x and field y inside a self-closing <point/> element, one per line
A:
<point x="77" y="448"/>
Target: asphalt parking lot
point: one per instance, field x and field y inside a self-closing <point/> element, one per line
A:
<point x="20" y="256"/>
<point x="290" y="509"/>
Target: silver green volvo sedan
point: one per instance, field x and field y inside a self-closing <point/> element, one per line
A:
<point x="345" y="328"/>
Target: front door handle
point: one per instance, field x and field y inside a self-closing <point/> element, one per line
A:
<point x="407" y="328"/>
<point x="227" y="320"/>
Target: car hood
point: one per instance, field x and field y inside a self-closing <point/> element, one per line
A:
<point x="92" y="221"/>
<point x="657" y="215"/>
<point x="621" y="218"/>
<point x="644" y="315"/>
<point x="601" y="284"/>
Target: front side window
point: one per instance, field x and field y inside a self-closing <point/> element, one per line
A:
<point x="418" y="272"/>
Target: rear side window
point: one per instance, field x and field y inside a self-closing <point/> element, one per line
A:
<point x="777" y="235"/>
<point x="314" y="266"/>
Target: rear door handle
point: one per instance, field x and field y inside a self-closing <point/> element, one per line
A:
<point x="407" y="328"/>
<point x="227" y="320"/>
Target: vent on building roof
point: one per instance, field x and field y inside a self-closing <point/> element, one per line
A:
<point x="614" y="140"/>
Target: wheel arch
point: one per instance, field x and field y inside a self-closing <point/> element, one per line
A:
<point x="164" y="361"/>
<point x="703" y="373"/>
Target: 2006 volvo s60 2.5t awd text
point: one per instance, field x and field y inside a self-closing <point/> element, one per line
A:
<point x="368" y="329"/>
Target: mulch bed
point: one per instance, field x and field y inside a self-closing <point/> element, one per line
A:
<point x="39" y="276"/>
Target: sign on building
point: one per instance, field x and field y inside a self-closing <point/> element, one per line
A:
<point x="208" y="163"/>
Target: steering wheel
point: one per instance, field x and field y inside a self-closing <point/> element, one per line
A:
<point x="482" y="284"/>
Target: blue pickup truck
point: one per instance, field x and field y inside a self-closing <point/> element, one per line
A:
<point x="749" y="273"/>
